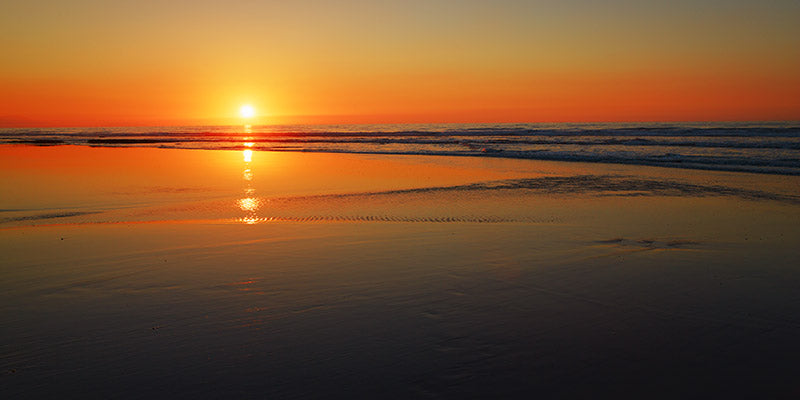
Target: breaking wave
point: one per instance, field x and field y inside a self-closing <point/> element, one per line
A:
<point x="747" y="147"/>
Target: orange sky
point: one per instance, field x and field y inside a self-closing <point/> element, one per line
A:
<point x="96" y="63"/>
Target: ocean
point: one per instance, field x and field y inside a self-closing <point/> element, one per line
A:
<point x="761" y="147"/>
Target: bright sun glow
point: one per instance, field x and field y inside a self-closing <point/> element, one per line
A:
<point x="247" y="111"/>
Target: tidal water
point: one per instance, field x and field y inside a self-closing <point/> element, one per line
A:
<point x="763" y="147"/>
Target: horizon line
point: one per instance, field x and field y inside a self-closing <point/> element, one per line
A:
<point x="13" y="126"/>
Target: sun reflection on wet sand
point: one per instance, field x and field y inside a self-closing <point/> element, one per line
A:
<point x="250" y="220"/>
<point x="249" y="204"/>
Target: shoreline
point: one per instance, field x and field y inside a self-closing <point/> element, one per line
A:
<point x="765" y="148"/>
<point x="235" y="186"/>
<point x="756" y="169"/>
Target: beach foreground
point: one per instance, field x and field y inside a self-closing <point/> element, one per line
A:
<point x="142" y="272"/>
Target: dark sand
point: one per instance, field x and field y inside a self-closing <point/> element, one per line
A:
<point x="149" y="273"/>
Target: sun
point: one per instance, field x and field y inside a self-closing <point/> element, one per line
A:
<point x="247" y="111"/>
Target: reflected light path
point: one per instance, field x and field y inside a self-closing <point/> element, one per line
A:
<point x="249" y="204"/>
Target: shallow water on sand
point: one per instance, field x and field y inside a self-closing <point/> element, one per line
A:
<point x="142" y="272"/>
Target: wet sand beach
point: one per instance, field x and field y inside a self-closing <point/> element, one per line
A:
<point x="169" y="273"/>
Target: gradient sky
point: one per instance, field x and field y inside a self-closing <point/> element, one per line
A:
<point x="95" y="63"/>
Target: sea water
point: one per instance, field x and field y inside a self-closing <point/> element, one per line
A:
<point x="764" y="147"/>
